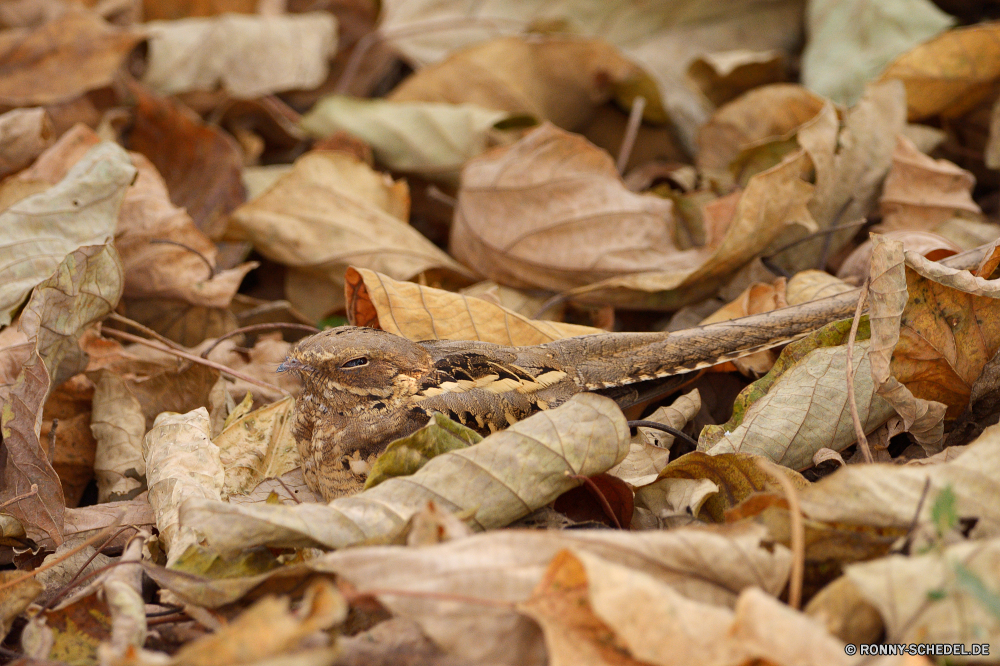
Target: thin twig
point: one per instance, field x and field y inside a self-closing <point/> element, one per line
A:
<point x="631" y="132"/>
<point x="196" y="359"/>
<point x="14" y="500"/>
<point x="258" y="327"/>
<point x="549" y="304"/>
<point x="68" y="554"/>
<point x="166" y="241"/>
<point x="797" y="528"/>
<point x="587" y="481"/>
<point x="665" y="428"/>
<point x="908" y="541"/>
<point x="145" y="329"/>
<point x="434" y="192"/>
<point x="859" y="429"/>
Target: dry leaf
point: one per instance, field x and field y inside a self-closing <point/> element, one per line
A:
<point x="199" y="162"/>
<point x="248" y="56"/>
<point x="330" y="212"/>
<point x="119" y="425"/>
<point x="62" y="59"/>
<point x="424" y="313"/>
<point x="567" y="217"/>
<point x="763" y="115"/>
<point x="856" y="494"/>
<point x="950" y="74"/>
<point x="740" y="226"/>
<point x="850" y="43"/>
<point x="921" y="192"/>
<point x="256" y="446"/>
<point x="931" y="245"/>
<point x="25" y="133"/>
<point x="734" y="475"/>
<point x="924" y="419"/>
<point x="504" y="477"/>
<point x="561" y="80"/>
<point x="430" y="139"/>
<point x="804" y="410"/>
<point x="662" y="39"/>
<point x="14" y="600"/>
<point x="813" y="285"/>
<point x="80" y="210"/>
<point x="585" y="600"/>
<point x="936" y="597"/>
<point x="649" y="451"/>
<point x="723" y="76"/>
<point x="181" y="463"/>
<point x="710" y="566"/>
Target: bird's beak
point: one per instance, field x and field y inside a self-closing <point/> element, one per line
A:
<point x="291" y="364"/>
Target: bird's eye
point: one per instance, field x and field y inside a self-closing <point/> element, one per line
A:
<point x="356" y="362"/>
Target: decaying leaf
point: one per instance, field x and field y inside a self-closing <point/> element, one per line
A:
<point x="25" y="134"/>
<point x="408" y="454"/>
<point x="805" y="409"/>
<point x="119" y="425"/>
<point x="431" y="139"/>
<point x="425" y="313"/>
<point x="332" y="211"/>
<point x="61" y="59"/>
<point x="80" y="210"/>
<point x="248" y="56"/>
<point x="506" y="476"/>
<point x="181" y="463"/>
<point x="649" y="451"/>
<point x="557" y="79"/>
<point x="257" y="446"/>
<point x="850" y="43"/>
<point x="921" y="193"/>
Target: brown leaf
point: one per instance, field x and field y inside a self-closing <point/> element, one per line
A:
<point x="739" y="226"/>
<point x="61" y="59"/>
<point x="159" y="10"/>
<point x="950" y="74"/>
<point x="26" y="133"/>
<point x="921" y="192"/>
<point x="725" y="75"/>
<point x="424" y="313"/>
<point x="200" y="163"/>
<point x="931" y="245"/>
<point x="551" y="211"/>
<point x="554" y="78"/>
<point x="583" y="503"/>
<point x="24" y="461"/>
<point x="332" y="211"/>
<point x="764" y="114"/>
<point x="247" y="56"/>
<point x="735" y="474"/>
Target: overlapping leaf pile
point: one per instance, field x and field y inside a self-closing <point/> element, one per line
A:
<point x="190" y="187"/>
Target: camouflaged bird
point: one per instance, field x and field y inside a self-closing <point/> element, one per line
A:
<point x="364" y="387"/>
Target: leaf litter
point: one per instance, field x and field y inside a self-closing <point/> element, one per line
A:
<point x="185" y="198"/>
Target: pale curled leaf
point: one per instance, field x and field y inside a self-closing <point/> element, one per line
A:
<point x="890" y="495"/>
<point x="118" y="425"/>
<point x="806" y="410"/>
<point x="649" y="450"/>
<point x="554" y="78"/>
<point x="504" y="477"/>
<point x="417" y="312"/>
<point x="653" y="624"/>
<point x="426" y="138"/>
<point x="257" y="445"/>
<point x="924" y="419"/>
<point x="407" y="454"/>
<point x="901" y="587"/>
<point x="707" y="565"/>
<point x="920" y="192"/>
<point x="330" y="212"/>
<point x="774" y="202"/>
<point x="181" y="463"/>
<point x="81" y="209"/>
<point x="247" y="56"/>
<point x="850" y="43"/>
<point x="25" y="134"/>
